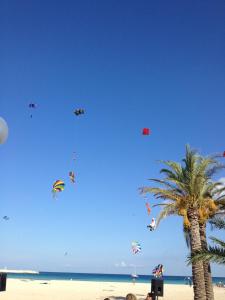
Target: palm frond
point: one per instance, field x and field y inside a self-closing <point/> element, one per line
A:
<point x="168" y="210"/>
<point x="163" y="193"/>
<point x="160" y="204"/>
<point x="215" y="169"/>
<point x="175" y="167"/>
<point x="218" y="223"/>
<point x="187" y="237"/>
<point x="171" y="187"/>
<point x="218" y="241"/>
<point x="213" y="254"/>
<point x="221" y="200"/>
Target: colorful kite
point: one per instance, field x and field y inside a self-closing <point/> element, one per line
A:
<point x="3" y="131"/>
<point x="79" y="111"/>
<point x="58" y="186"/>
<point x="152" y="226"/>
<point x="72" y="176"/>
<point x="158" y="271"/>
<point x="224" y="154"/>
<point x="146" y="131"/>
<point x="136" y="247"/>
<point x="148" y="208"/>
<point x="32" y="106"/>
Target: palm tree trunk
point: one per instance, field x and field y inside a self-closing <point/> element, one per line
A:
<point x="197" y="267"/>
<point x="206" y="265"/>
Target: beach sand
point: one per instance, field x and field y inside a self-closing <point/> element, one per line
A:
<point x="18" y="289"/>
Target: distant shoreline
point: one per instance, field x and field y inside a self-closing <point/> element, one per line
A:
<point x="18" y="271"/>
<point x="95" y="277"/>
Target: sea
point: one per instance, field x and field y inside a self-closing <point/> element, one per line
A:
<point x="103" y="277"/>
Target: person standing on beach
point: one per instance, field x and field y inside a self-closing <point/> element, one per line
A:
<point x="150" y="296"/>
<point x="190" y="281"/>
<point x="131" y="297"/>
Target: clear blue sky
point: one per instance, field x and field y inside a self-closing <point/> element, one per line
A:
<point x="129" y="64"/>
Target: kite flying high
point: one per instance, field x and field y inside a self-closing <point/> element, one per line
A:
<point x="152" y="226"/>
<point x="58" y="186"/>
<point x="32" y="106"/>
<point x="72" y="176"/>
<point x="79" y="111"/>
<point x="148" y="208"/>
<point x="136" y="247"/>
<point x="145" y="131"/>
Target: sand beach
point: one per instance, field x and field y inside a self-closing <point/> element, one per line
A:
<point x="24" y="289"/>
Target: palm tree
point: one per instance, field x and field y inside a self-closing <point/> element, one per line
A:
<point x="185" y="187"/>
<point x="205" y="213"/>
<point x="206" y="265"/>
<point x="213" y="253"/>
<point x="215" y="191"/>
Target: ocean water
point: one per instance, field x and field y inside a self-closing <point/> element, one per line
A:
<point x="102" y="277"/>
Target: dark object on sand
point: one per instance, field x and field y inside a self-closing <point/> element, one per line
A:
<point x="157" y="288"/>
<point x="3" y="277"/>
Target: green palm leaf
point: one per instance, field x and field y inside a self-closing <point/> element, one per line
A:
<point x="217" y="223"/>
<point x="215" y="254"/>
<point x="218" y="242"/>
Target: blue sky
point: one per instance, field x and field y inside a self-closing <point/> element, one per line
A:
<point x="129" y="64"/>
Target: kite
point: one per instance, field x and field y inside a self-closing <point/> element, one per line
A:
<point x="72" y="176"/>
<point x="32" y="106"/>
<point x="79" y="111"/>
<point x="3" y="131"/>
<point x="6" y="218"/>
<point x="74" y="156"/>
<point x="158" y="271"/>
<point x="136" y="247"/>
<point x="148" y="208"/>
<point x="224" y="154"/>
<point x="146" y="131"/>
<point x="152" y="226"/>
<point x="58" y="186"/>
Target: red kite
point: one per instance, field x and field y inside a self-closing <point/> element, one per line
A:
<point x="145" y="131"/>
<point x="148" y="208"/>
